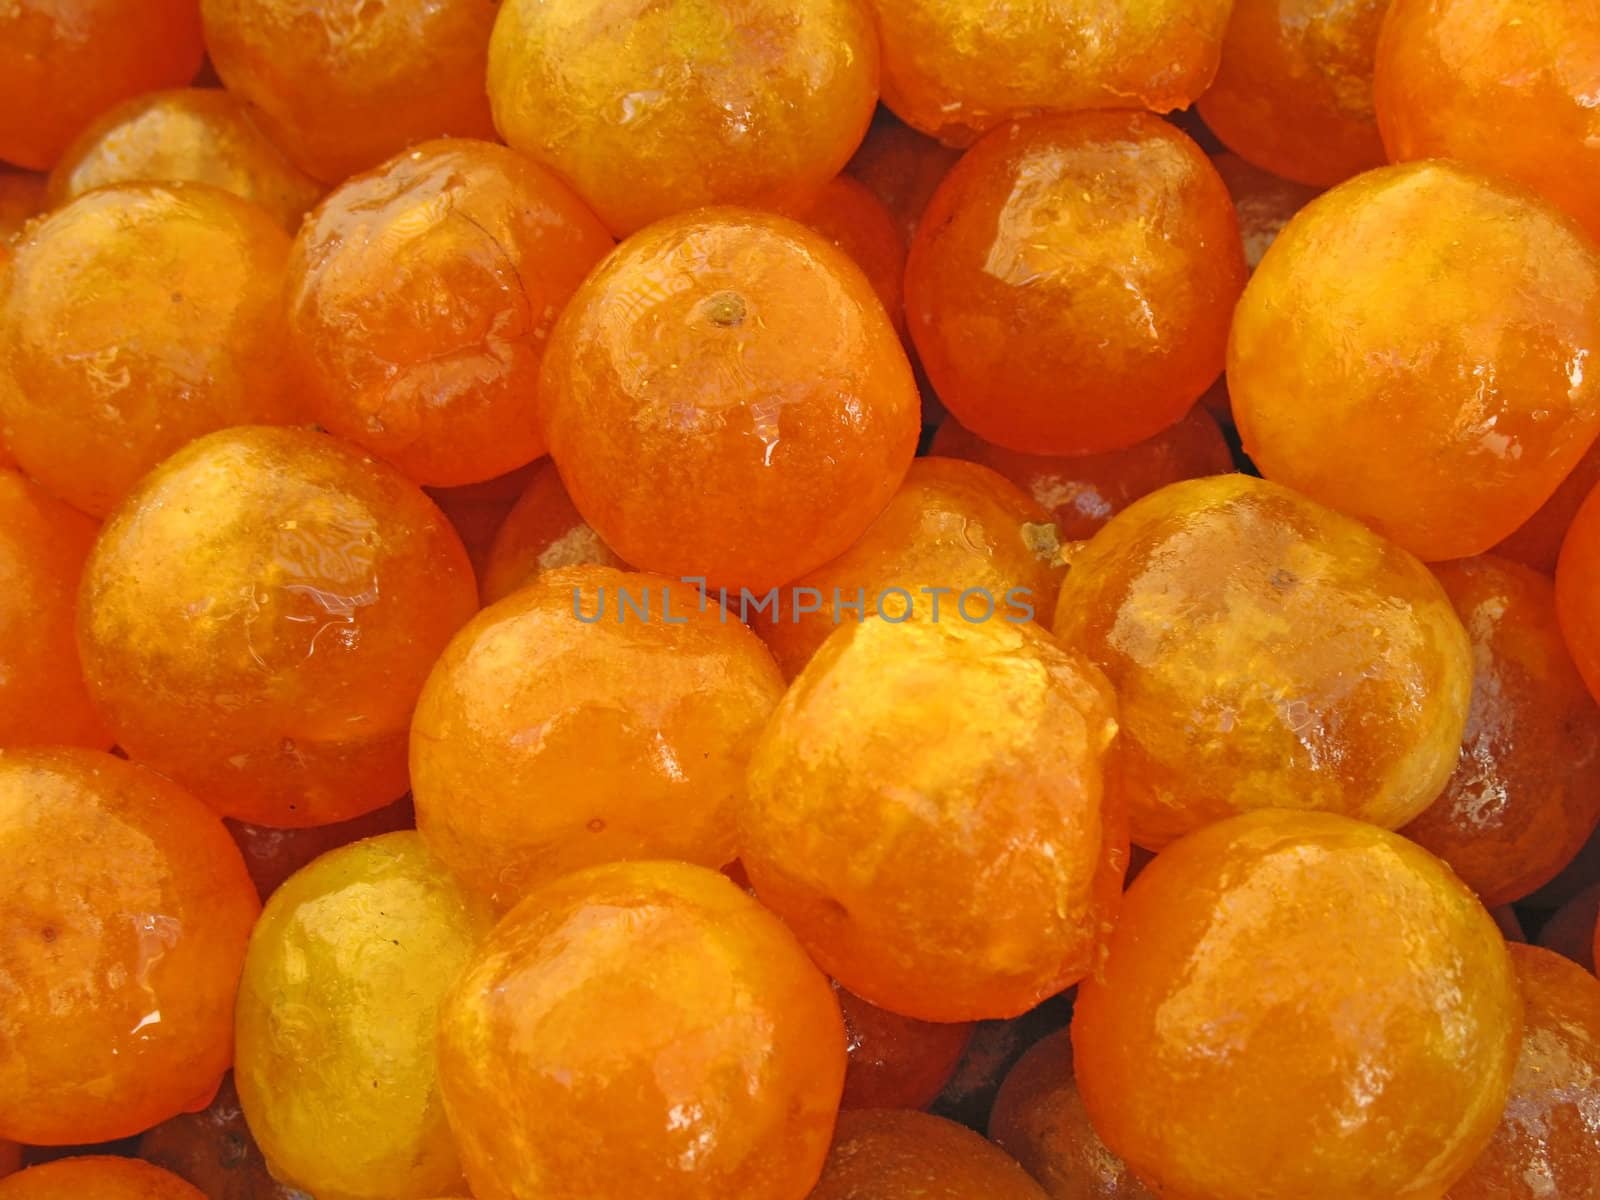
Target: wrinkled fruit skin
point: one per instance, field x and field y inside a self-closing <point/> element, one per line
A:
<point x="901" y="766"/>
<point x="956" y="69"/>
<point x="1265" y="972"/>
<point x="123" y="918"/>
<point x="342" y="85"/>
<point x="1070" y="285"/>
<point x="1545" y="1145"/>
<point x="890" y="1155"/>
<point x="258" y="618"/>
<point x="200" y="135"/>
<point x="641" y="1029"/>
<point x="561" y="729"/>
<point x="337" y="1015"/>
<point x="1267" y="652"/>
<point x="133" y="320"/>
<point x="420" y="297"/>
<point x="726" y="398"/>
<point x="1503" y="85"/>
<point x="653" y="107"/>
<point x="1294" y="92"/>
<point x="1443" y="425"/>
<point x="1525" y="795"/>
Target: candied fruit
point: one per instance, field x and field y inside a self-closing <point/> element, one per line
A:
<point x="1294" y="92"/>
<point x="902" y="168"/>
<point x="132" y="320"/>
<point x="958" y="68"/>
<point x="925" y="811"/>
<point x="652" y="107"/>
<point x="1545" y="1146"/>
<point x="1040" y="1120"/>
<point x="854" y="220"/>
<point x="1525" y="795"/>
<point x="97" y="1177"/>
<point x="895" y="1061"/>
<point x="1082" y="492"/>
<point x="420" y="296"/>
<point x="884" y="1154"/>
<point x="590" y="716"/>
<point x="1507" y="86"/>
<point x="258" y="618"/>
<point x="1267" y="652"/>
<point x="1537" y="542"/>
<point x="202" y="135"/>
<point x="1578" y="590"/>
<point x="336" y="1020"/>
<point x="1446" y="421"/>
<point x="1070" y="285"/>
<point x="213" y="1150"/>
<point x="124" y="911"/>
<point x="1297" y="1004"/>
<point x="43" y="544"/>
<point x="541" y="532"/>
<point x="64" y="62"/>
<point x="641" y="1029"/>
<point x="726" y="399"/>
<point x="342" y="85"/>
<point x="1264" y="203"/>
<point x="956" y="537"/>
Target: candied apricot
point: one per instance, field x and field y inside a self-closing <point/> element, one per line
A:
<point x="541" y="532"/>
<point x="133" y="320"/>
<point x="590" y="716"/>
<point x="1525" y="795"/>
<point x="890" y="1155"/>
<point x="895" y="1061"/>
<point x="725" y="398"/>
<point x="652" y="107"/>
<point x="342" y="85"/>
<point x="1546" y="1145"/>
<point x="420" y="296"/>
<point x="903" y="765"/>
<point x="1537" y="541"/>
<point x="334" y="1057"/>
<point x="43" y="544"/>
<point x="214" y="1150"/>
<point x="123" y="917"/>
<point x="901" y="167"/>
<point x="1444" y="425"/>
<point x="1294" y="92"/>
<point x="64" y="62"/>
<point x="202" y="135"/>
<point x="97" y="1177"/>
<point x="958" y="68"/>
<point x="258" y="618"/>
<point x="854" y="220"/>
<point x="955" y="537"/>
<point x="1070" y="285"/>
<point x="1297" y="1004"/>
<point x="22" y="197"/>
<point x="272" y="855"/>
<point x="1264" y="203"/>
<point x="641" y="1029"/>
<point x="1507" y="86"/>
<point x="1040" y="1120"/>
<point x="1267" y="652"/>
<point x="1082" y="492"/>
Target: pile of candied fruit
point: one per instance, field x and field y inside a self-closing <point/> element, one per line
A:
<point x="799" y="599"/>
